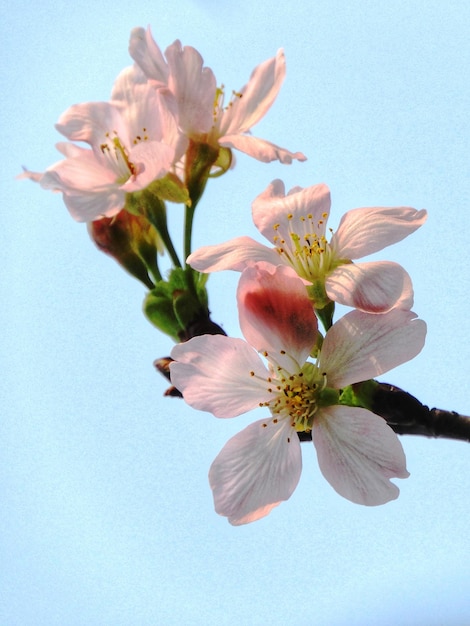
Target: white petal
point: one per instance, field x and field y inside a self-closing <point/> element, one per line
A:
<point x="365" y="231"/>
<point x="374" y="287"/>
<point x="260" y="149"/>
<point x="219" y="374"/>
<point x="193" y="86"/>
<point x="358" y="453"/>
<point x="256" y="97"/>
<point x="148" y="55"/>
<point x="153" y="160"/>
<point x="276" y="214"/>
<point x="93" y="122"/>
<point x="361" y="345"/>
<point x="231" y="255"/>
<point x="256" y="470"/>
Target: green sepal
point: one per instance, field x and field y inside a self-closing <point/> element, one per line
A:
<point x="359" y="394"/>
<point x="328" y="397"/>
<point x="158" y="308"/>
<point x="170" y="188"/>
<point x="174" y="305"/>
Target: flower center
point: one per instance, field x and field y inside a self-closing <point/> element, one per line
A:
<point x="297" y="396"/>
<point x="305" y="247"/>
<point x="117" y="156"/>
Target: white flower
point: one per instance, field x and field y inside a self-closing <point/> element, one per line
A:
<point x="296" y="225"/>
<point x="134" y="140"/>
<point x="199" y="104"/>
<point x="260" y="467"/>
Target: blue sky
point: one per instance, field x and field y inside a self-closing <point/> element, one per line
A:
<point x="106" y="513"/>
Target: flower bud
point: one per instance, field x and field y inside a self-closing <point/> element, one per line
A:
<point x="132" y="241"/>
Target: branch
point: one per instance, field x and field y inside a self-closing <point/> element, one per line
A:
<point x="407" y="416"/>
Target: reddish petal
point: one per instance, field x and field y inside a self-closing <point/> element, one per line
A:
<point x="276" y="315"/>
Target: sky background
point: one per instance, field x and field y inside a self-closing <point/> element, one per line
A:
<point x="106" y="516"/>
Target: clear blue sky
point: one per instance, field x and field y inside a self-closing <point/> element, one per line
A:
<point x="106" y="515"/>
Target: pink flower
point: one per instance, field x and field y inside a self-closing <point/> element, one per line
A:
<point x="134" y="140"/>
<point x="199" y="103"/>
<point x="296" y="226"/>
<point x="260" y="466"/>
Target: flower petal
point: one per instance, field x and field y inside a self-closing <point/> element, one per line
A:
<point x="92" y="122"/>
<point x="358" y="453"/>
<point x="361" y="345"/>
<point x="193" y="86"/>
<point x="260" y="149"/>
<point x="256" y="97"/>
<point x="231" y="255"/>
<point x="373" y="287"/>
<point x="277" y="215"/>
<point x="148" y="56"/>
<point x="153" y="160"/>
<point x="219" y="374"/>
<point x="276" y="315"/>
<point x="365" y="231"/>
<point x="256" y="470"/>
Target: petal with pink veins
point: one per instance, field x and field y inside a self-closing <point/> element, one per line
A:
<point x="276" y="315"/>
<point x="358" y="453"/>
<point x="235" y="254"/>
<point x="222" y="375"/>
<point x="365" y="231"/>
<point x="256" y="470"/>
<point x="360" y="346"/>
<point x="375" y="287"/>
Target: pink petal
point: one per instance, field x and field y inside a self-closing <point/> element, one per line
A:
<point x="92" y="122"/>
<point x="277" y="214"/>
<point x="260" y="149"/>
<point x="360" y="346"/>
<point x="219" y="374"/>
<point x="148" y="55"/>
<point x="193" y="86"/>
<point x="153" y="160"/>
<point x="373" y="287"/>
<point x="276" y="315"/>
<point x="365" y="231"/>
<point x="358" y="453"/>
<point x="235" y="254"/>
<point x="256" y="470"/>
<point x="257" y="96"/>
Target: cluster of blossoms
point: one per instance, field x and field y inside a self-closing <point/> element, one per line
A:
<point x="306" y="381"/>
<point x="162" y="110"/>
<point x="167" y="130"/>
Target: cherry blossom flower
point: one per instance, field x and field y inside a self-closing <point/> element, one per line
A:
<point x="260" y="466"/>
<point x="296" y="225"/>
<point x="199" y="104"/>
<point x="134" y="140"/>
